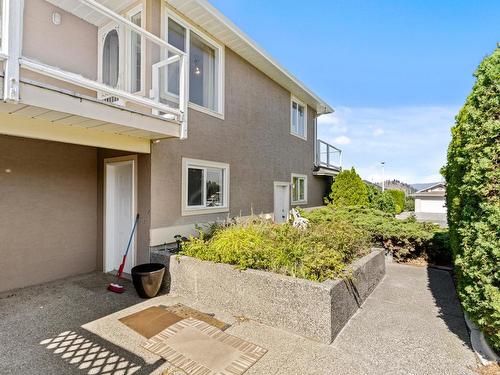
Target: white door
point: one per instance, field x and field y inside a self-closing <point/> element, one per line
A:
<point x="281" y="201"/>
<point x="119" y="214"/>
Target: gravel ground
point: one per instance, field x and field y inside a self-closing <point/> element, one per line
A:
<point x="411" y="324"/>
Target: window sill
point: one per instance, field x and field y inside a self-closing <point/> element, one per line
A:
<point x="304" y="138"/>
<point x="298" y="202"/>
<point x="203" y="211"/>
<point x="207" y="111"/>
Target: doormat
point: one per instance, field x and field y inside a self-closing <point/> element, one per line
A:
<point x="187" y="312"/>
<point x="201" y="349"/>
<point x="150" y="321"/>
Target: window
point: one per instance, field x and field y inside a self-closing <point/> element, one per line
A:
<point x="205" y="67"/>
<point x="298" y="119"/>
<point x="205" y="186"/>
<point x="299" y="188"/>
<point x="135" y="54"/>
<point x="111" y="58"/>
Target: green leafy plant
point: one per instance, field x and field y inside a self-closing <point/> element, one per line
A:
<point x="406" y="239"/>
<point x="472" y="178"/>
<point x="379" y="200"/>
<point x="348" y="189"/>
<point x="399" y="199"/>
<point x="409" y="203"/>
<point x="322" y="251"/>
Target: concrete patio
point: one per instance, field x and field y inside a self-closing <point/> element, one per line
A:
<point x="411" y="324"/>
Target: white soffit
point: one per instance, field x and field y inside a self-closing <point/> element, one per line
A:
<point x="204" y="15"/>
<point x="84" y="12"/>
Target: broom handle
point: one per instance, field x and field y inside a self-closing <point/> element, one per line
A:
<point x="120" y="270"/>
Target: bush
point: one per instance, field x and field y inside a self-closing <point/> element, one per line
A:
<point x="323" y="251"/>
<point x="380" y="201"/>
<point x="409" y="203"/>
<point x="406" y="239"/>
<point x="472" y="193"/>
<point x="399" y="199"/>
<point x="348" y="189"/>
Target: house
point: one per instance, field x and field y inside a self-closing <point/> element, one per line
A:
<point x="430" y="203"/>
<point x="158" y="107"/>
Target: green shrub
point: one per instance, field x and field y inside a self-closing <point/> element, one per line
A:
<point x="399" y="199"/>
<point x="323" y="251"/>
<point x="409" y="203"/>
<point x="407" y="239"/>
<point x="348" y="189"/>
<point x="472" y="192"/>
<point x="379" y="200"/>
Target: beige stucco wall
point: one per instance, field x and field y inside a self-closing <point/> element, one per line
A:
<point x="71" y="46"/>
<point x="254" y="138"/>
<point x="48" y="211"/>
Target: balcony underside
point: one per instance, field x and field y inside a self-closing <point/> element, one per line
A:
<point x="46" y="113"/>
<point x="326" y="171"/>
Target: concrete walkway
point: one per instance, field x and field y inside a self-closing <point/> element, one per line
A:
<point x="411" y="324"/>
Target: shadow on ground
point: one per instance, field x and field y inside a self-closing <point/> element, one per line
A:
<point x="41" y="329"/>
<point x="88" y="353"/>
<point x="441" y="285"/>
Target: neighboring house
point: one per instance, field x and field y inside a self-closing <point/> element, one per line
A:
<point x="430" y="203"/>
<point x="162" y="108"/>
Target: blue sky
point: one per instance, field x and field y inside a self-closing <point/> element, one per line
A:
<point x="396" y="72"/>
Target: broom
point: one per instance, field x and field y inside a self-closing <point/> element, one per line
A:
<point x="117" y="288"/>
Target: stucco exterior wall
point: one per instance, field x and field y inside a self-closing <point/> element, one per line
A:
<point x="48" y="211"/>
<point x="254" y="139"/>
<point x="42" y="40"/>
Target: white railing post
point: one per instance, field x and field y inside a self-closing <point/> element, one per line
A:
<point x="183" y="90"/>
<point x="13" y="39"/>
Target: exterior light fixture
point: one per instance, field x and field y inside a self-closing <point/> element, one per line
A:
<point x="56" y="18"/>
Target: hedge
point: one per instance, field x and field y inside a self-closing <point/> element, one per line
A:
<point x="472" y="192"/>
<point x="399" y="199"/>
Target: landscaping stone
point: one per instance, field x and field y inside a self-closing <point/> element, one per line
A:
<point x="314" y="310"/>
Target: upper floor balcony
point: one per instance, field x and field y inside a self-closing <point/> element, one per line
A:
<point x="92" y="72"/>
<point x="328" y="159"/>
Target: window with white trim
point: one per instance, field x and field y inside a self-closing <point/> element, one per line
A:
<point x="205" y="66"/>
<point x="298" y="124"/>
<point x="299" y="188"/>
<point x="205" y="186"/>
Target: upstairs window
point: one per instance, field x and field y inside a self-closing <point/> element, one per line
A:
<point x="299" y="188"/>
<point x="111" y="58"/>
<point x="298" y="119"/>
<point x="205" y="67"/>
<point x="205" y="186"/>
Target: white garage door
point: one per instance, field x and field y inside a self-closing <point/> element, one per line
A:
<point x="433" y="206"/>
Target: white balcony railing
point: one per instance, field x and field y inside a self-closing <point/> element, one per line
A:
<point x="156" y="53"/>
<point x="328" y="156"/>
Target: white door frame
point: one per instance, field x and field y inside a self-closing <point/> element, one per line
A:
<point x="287" y="186"/>
<point x="107" y="161"/>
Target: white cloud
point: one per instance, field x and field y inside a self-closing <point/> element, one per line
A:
<point x="342" y="140"/>
<point x="332" y="122"/>
<point x="414" y="142"/>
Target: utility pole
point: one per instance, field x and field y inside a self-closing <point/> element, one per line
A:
<point x="383" y="175"/>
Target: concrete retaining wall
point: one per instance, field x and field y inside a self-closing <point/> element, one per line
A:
<point x="314" y="310"/>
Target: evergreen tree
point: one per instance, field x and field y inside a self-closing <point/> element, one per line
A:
<point x="348" y="189"/>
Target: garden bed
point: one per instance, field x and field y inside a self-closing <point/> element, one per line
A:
<point x="316" y="310"/>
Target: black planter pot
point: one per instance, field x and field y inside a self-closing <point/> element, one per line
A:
<point x="147" y="279"/>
